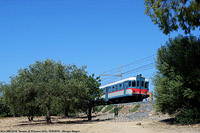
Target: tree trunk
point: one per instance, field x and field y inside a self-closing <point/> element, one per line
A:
<point x="30" y="118"/>
<point x="14" y="114"/>
<point x="48" y="117"/>
<point x="66" y="113"/>
<point x="89" y="114"/>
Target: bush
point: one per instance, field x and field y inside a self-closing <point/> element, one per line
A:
<point x="119" y="108"/>
<point x="4" y="109"/>
<point x="188" y="116"/>
<point x="177" y="80"/>
<point x="98" y="108"/>
<point x="135" y="108"/>
<point x="109" y="107"/>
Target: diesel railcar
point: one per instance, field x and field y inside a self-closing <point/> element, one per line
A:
<point x="131" y="89"/>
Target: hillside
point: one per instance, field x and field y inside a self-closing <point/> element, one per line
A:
<point x="126" y="112"/>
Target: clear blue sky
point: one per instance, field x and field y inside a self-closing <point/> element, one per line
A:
<point x="101" y="34"/>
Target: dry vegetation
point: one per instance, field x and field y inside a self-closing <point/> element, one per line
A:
<point x="81" y="124"/>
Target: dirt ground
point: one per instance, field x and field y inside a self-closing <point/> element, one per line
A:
<point x="72" y="125"/>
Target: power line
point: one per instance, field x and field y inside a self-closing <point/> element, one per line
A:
<point x="120" y="73"/>
<point x="138" y="68"/>
<point x="141" y="70"/>
<point x="109" y="81"/>
<point x="106" y="78"/>
<point x="132" y="63"/>
<point x="136" y="62"/>
<point x="128" y="72"/>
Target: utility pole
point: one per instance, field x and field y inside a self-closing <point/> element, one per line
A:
<point x="120" y="73"/>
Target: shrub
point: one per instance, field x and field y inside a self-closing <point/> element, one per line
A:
<point x="188" y="116"/>
<point x="98" y="108"/>
<point x="135" y="108"/>
<point x="177" y="81"/>
<point x="109" y="107"/>
<point x="119" y="108"/>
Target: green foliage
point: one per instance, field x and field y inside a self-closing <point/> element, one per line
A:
<point x="51" y="88"/>
<point x="135" y="108"/>
<point x="188" y="116"/>
<point x="4" y="109"/>
<point x="177" y="81"/>
<point x="170" y="15"/>
<point x="119" y="108"/>
<point x="98" y="108"/>
<point x="90" y="94"/>
<point x="111" y="111"/>
<point x="109" y="107"/>
<point x="11" y="97"/>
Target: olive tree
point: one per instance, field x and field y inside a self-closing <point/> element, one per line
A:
<point x="51" y="88"/>
<point x="4" y="108"/>
<point x="92" y="95"/>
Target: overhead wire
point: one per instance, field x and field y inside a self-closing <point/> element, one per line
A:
<point x="148" y="66"/>
<point x="132" y="63"/>
<point x="136" y="62"/>
<point x="138" y="68"/>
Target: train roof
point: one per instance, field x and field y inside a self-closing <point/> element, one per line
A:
<point x="121" y="81"/>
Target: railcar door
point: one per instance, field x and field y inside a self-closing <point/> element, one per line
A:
<point x="125" y="86"/>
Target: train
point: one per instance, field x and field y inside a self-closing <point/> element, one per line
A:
<point x="132" y="89"/>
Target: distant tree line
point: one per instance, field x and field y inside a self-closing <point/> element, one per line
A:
<point x="50" y="88"/>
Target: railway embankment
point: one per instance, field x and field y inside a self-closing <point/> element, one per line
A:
<point x="134" y="111"/>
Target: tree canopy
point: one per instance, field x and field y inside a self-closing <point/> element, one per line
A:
<point x="177" y="82"/>
<point x="170" y="15"/>
<point x="51" y="88"/>
<point x="4" y="109"/>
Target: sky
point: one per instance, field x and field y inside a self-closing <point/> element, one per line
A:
<point x="101" y="34"/>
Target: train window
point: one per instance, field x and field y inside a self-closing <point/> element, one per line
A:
<point x="142" y="84"/>
<point x="113" y="88"/>
<point x="133" y="83"/>
<point x="146" y="84"/>
<point x="120" y="86"/>
<point x="116" y="88"/>
<point x="138" y="83"/>
<point x="129" y="83"/>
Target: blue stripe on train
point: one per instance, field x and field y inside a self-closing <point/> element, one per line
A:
<point x="119" y="96"/>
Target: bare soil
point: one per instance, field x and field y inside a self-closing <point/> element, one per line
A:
<point x="80" y="124"/>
